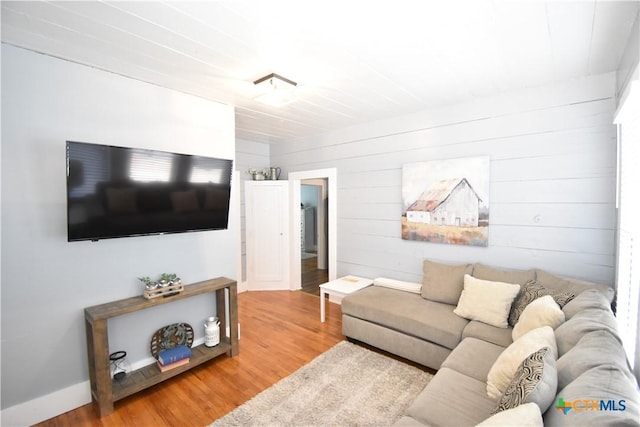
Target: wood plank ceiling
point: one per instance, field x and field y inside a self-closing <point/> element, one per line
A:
<point x="355" y="61"/>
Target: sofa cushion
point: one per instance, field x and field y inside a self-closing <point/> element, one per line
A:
<point x="406" y="312"/>
<point x="591" y="319"/>
<point x="590" y="298"/>
<point x="596" y="398"/>
<point x="473" y="357"/>
<point x="544" y="311"/>
<point x="452" y="398"/>
<point x="494" y="274"/>
<point x="443" y="282"/>
<point x="588" y="353"/>
<point x="486" y="301"/>
<point x="485" y="332"/>
<point x="551" y="281"/>
<point x="525" y="415"/>
<point x="535" y="381"/>
<point x="531" y="291"/>
<point x="505" y="366"/>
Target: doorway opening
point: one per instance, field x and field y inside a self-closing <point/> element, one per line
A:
<point x="313" y="228"/>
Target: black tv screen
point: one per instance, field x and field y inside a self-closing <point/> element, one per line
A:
<point x="120" y="192"/>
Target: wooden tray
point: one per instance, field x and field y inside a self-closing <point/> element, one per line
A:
<point x="165" y="291"/>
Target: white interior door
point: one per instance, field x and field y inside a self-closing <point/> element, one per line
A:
<point x="267" y="234"/>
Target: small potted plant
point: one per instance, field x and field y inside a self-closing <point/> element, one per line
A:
<point x="148" y="283"/>
<point x="165" y="280"/>
<point x="173" y="279"/>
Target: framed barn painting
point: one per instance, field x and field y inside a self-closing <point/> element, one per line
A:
<point x="446" y="201"/>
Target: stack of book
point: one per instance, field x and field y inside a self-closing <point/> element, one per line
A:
<point x="173" y="357"/>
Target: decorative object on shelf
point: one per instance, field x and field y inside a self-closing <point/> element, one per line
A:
<point x="171" y="336"/>
<point x="167" y="279"/>
<point x="119" y="365"/>
<point x="258" y="174"/>
<point x="212" y="332"/>
<point x="175" y="354"/>
<point x="173" y="365"/>
<point x="149" y="284"/>
<point x="167" y="285"/>
<point x="274" y="173"/>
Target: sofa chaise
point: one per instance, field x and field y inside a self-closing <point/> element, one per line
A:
<point x="511" y="347"/>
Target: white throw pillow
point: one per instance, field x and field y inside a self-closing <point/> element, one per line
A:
<point x="486" y="301"/>
<point x="527" y="414"/>
<point x="543" y="311"/>
<point x="505" y="366"/>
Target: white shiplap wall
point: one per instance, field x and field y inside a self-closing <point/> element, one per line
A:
<point x="552" y="195"/>
<point x="248" y="155"/>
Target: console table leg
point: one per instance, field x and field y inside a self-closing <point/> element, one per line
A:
<point x="233" y="320"/>
<point x="99" y="364"/>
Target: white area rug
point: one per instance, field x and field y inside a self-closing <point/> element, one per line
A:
<point x="346" y="386"/>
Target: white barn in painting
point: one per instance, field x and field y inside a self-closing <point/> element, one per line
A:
<point x="447" y="202"/>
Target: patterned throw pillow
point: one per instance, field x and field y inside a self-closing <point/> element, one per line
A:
<point x="531" y="291"/>
<point x="536" y="381"/>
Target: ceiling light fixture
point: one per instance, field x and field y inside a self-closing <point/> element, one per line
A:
<point x="275" y="90"/>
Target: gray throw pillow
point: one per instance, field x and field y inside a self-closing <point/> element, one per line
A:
<point x="531" y="291"/>
<point x="535" y="380"/>
<point x="443" y="282"/>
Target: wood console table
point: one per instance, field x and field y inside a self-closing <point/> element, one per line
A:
<point x="104" y="390"/>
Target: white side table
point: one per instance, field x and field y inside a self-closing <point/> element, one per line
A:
<point x="341" y="287"/>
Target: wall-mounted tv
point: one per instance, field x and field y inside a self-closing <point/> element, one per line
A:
<point x="121" y="192"/>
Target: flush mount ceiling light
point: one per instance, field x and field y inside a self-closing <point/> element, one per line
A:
<point x="275" y="90"/>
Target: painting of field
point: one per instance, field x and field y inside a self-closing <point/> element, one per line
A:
<point x="470" y="236"/>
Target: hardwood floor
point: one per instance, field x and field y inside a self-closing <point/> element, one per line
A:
<point x="312" y="277"/>
<point x="280" y="332"/>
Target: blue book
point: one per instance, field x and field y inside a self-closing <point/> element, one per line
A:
<point x="174" y="354"/>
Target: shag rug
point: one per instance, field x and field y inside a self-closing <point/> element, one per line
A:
<point x="346" y="386"/>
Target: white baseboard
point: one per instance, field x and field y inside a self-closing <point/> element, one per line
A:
<point x="48" y="406"/>
<point x="243" y="287"/>
<point x="58" y="402"/>
<point x="61" y="401"/>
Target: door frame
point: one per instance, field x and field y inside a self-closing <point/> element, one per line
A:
<point x="295" y="180"/>
<point x="320" y="219"/>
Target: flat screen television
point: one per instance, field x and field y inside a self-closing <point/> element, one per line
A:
<point x="121" y="192"/>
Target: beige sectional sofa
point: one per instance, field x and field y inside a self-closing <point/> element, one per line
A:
<point x="566" y="352"/>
